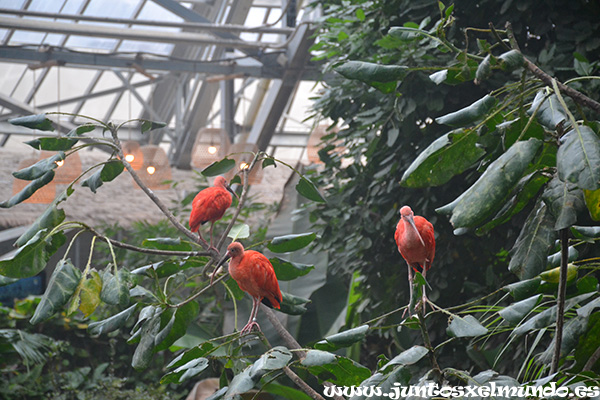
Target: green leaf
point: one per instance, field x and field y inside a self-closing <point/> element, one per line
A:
<point x="529" y="254"/>
<point x="62" y="285"/>
<point x="109" y="171"/>
<point x="343" y="339"/>
<point x="151" y="125"/>
<point x="183" y="316"/>
<point x="81" y="129"/>
<point x="52" y="143"/>
<point x="392" y="136"/>
<point x="554" y="259"/>
<point x="241" y="383"/>
<point x="28" y="190"/>
<point x="219" y="167"/>
<point x="446" y="157"/>
<point x="285" y="392"/>
<point x="90" y="293"/>
<point x="274" y="359"/>
<point x="523" y="289"/>
<point x="564" y="200"/>
<point x="483" y="70"/>
<point x="408" y="357"/>
<point x="489" y="193"/>
<point x="269" y="161"/>
<point x="370" y="72"/>
<point x="31" y="259"/>
<point x="288" y="243"/>
<point x="468" y="114"/>
<point x="239" y="231"/>
<point x="550" y="112"/>
<point x="465" y="327"/>
<point x="144" y="350"/>
<point x="48" y="220"/>
<point x="578" y="158"/>
<point x="201" y="350"/>
<point x="111" y="324"/>
<point x="360" y="14"/>
<point x="7" y="281"/>
<point x="115" y="288"/>
<point x="293" y="305"/>
<point x="163" y="243"/>
<point x="38" y="121"/>
<point x="336" y="369"/>
<point x="587" y="233"/>
<point x="40" y="168"/>
<point x="186" y="371"/>
<point x="439" y="77"/>
<point x="287" y="270"/>
<point x="511" y="60"/>
<point x="592" y="202"/>
<point x="515" y="313"/>
<point x="308" y="189"/>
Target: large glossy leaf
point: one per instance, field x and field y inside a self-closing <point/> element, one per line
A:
<point x="144" y="350"/>
<point x="554" y="259"/>
<point x="167" y="244"/>
<point x="578" y="158"/>
<point x="40" y="168"/>
<point x="408" y="357"/>
<point x="308" y="189"/>
<point x="186" y="371"/>
<point x="529" y="254"/>
<point x="90" y="293"/>
<point x="468" y="114"/>
<point x="30" y="259"/>
<point x="287" y="270"/>
<point x="109" y="171"/>
<point x="61" y="286"/>
<point x="368" y="72"/>
<point x="564" y="200"/>
<point x="553" y="275"/>
<point x="517" y="311"/>
<point x="111" y="324"/>
<point x="523" y="289"/>
<point x="588" y="343"/>
<point x="336" y="369"/>
<point x="201" y="350"/>
<point x="219" y="167"/>
<point x="28" y="190"/>
<point x="38" y="121"/>
<point x="488" y="194"/>
<point x="151" y="125"/>
<point x="343" y="339"/>
<point x="52" y="143"/>
<point x="511" y="60"/>
<point x="241" y="383"/>
<point x="587" y="233"/>
<point x="48" y="220"/>
<point x="274" y="359"/>
<point x="284" y="244"/>
<point x="239" y="231"/>
<point x="81" y="129"/>
<point x="466" y="326"/>
<point x="115" y="288"/>
<point x="572" y="331"/>
<point x="550" y="112"/>
<point x="446" y="157"/>
<point x="483" y="70"/>
<point x="183" y="316"/>
<point x="293" y="305"/>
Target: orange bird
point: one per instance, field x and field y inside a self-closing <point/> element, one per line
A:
<point x="210" y="205"/>
<point x="416" y="243"/>
<point x="254" y="274"/>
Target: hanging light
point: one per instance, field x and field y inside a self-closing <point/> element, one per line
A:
<point x="212" y="144"/>
<point x="240" y="152"/>
<point x="133" y="154"/>
<point x="44" y="195"/>
<point x="67" y="170"/>
<point x="156" y="169"/>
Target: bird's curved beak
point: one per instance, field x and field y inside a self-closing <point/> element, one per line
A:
<point x="411" y="222"/>
<point x="226" y="257"/>
<point x="232" y="192"/>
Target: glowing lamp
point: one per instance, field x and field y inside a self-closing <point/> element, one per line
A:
<point x="129" y="158"/>
<point x="212" y="149"/>
<point x="151" y="170"/>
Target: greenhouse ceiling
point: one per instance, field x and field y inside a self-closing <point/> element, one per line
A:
<point x="239" y="67"/>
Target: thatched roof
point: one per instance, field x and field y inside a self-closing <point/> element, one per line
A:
<point x="117" y="201"/>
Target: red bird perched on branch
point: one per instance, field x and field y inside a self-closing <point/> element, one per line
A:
<point x="210" y="205"/>
<point x="416" y="243"/>
<point x="254" y="274"/>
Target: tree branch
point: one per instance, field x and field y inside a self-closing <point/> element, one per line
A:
<point x="577" y="96"/>
<point x="152" y="196"/>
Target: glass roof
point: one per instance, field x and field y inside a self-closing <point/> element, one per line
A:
<point x="163" y="60"/>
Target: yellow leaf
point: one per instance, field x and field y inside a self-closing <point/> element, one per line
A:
<point x="90" y="293"/>
<point x="592" y="201"/>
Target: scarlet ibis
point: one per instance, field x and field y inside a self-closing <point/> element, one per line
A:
<point x="210" y="205"/>
<point x="255" y="275"/>
<point x="416" y="243"/>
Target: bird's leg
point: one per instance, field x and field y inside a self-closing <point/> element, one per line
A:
<point x="252" y="320"/>
<point x="211" y="247"/>
<point x="424" y="297"/>
<point x="410" y="288"/>
<point x="201" y="239"/>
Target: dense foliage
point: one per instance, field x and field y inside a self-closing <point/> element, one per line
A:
<point x="432" y="107"/>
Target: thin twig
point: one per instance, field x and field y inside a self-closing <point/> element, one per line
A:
<point x="151" y="194"/>
<point x="302" y="384"/>
<point x="427" y="342"/>
<point x="562" y="289"/>
<point x="287" y="337"/>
